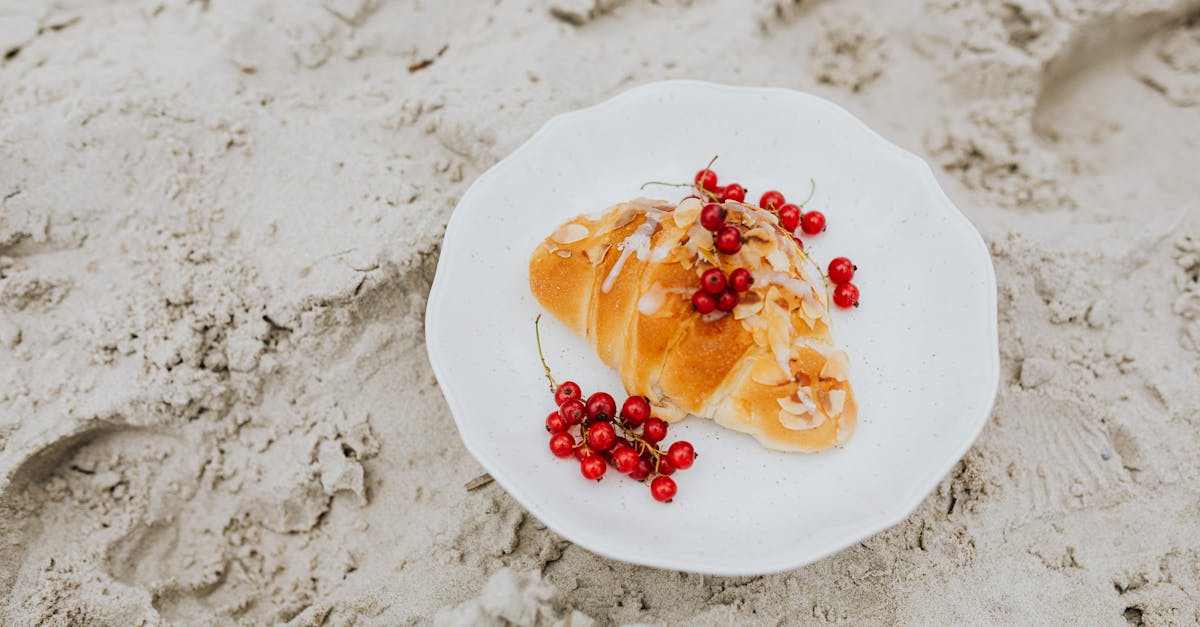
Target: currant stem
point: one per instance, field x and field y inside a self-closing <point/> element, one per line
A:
<point x="665" y="184"/>
<point x="538" y="334"/>
<point x="812" y="189"/>
<point x="711" y="196"/>
<point x="633" y="437"/>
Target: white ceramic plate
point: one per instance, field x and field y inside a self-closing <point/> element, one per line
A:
<point x="923" y="346"/>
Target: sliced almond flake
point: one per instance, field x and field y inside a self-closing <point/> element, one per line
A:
<point x="805" y="396"/>
<point x="802" y="422"/>
<point x="597" y="258"/>
<point x="793" y="407"/>
<point x="767" y="372"/>
<point x="760" y="233"/>
<point x="686" y="212"/>
<point x="699" y="238"/>
<point x="753" y="252"/>
<point x="757" y="328"/>
<point x="624" y="218"/>
<point x="833" y="401"/>
<point x="778" y="260"/>
<point x="570" y="233"/>
<point x="713" y="316"/>
<point x="564" y="253"/>
<point x="811" y="308"/>
<point x="837" y="366"/>
<point x="807" y="342"/>
<point x="763" y="216"/>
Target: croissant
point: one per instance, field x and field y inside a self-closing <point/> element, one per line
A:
<point x="623" y="281"/>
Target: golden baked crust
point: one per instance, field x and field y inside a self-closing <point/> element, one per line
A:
<point x="769" y="368"/>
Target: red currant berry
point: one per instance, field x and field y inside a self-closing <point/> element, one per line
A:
<point x="555" y="423"/>
<point x="771" y="200"/>
<point x="562" y="444"/>
<point x="593" y="468"/>
<point x="703" y="302"/>
<point x="728" y="240"/>
<point x="789" y="217"/>
<point x="635" y="410"/>
<point x="713" y="281"/>
<point x="740" y="280"/>
<point x="682" y="454"/>
<point x="665" y="467"/>
<point x="654" y="430"/>
<point x="601" y="436"/>
<point x="706" y="179"/>
<point x="841" y="270"/>
<point x="572" y="411"/>
<point x="641" y="470"/>
<point x="624" y="459"/>
<point x="663" y="489"/>
<point x="584" y="452"/>
<point x="799" y="244"/>
<point x="712" y="217"/>
<point x="601" y="406"/>
<point x="566" y="391"/>
<point x="727" y="300"/>
<point x="734" y="192"/>
<point x="846" y="295"/>
<point x="813" y="222"/>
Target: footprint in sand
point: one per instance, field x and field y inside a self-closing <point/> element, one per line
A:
<point x="1118" y="103"/>
<point x="115" y="490"/>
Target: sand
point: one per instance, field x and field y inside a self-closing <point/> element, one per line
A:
<point x="219" y="221"/>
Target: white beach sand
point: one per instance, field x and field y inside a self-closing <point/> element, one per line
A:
<point x="219" y="221"/>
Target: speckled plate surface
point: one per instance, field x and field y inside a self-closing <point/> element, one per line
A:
<point x="923" y="346"/>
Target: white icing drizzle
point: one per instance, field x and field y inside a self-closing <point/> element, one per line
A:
<point x="653" y="299"/>
<point x="637" y="242"/>
<point x="661" y="252"/>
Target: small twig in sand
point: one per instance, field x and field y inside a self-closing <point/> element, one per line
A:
<point x="478" y="482"/>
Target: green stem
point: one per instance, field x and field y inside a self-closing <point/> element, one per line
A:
<point x="812" y="189"/>
<point x="665" y="184"/>
<point x="538" y="334"/>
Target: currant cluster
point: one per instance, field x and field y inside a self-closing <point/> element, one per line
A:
<point x="841" y="270"/>
<point x="598" y="435"/>
<point x="727" y="239"/>
<point x="721" y="292"/>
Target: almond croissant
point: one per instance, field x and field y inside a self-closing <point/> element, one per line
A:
<point x="624" y="282"/>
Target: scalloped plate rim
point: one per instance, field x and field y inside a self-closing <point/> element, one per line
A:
<point x="897" y="511"/>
